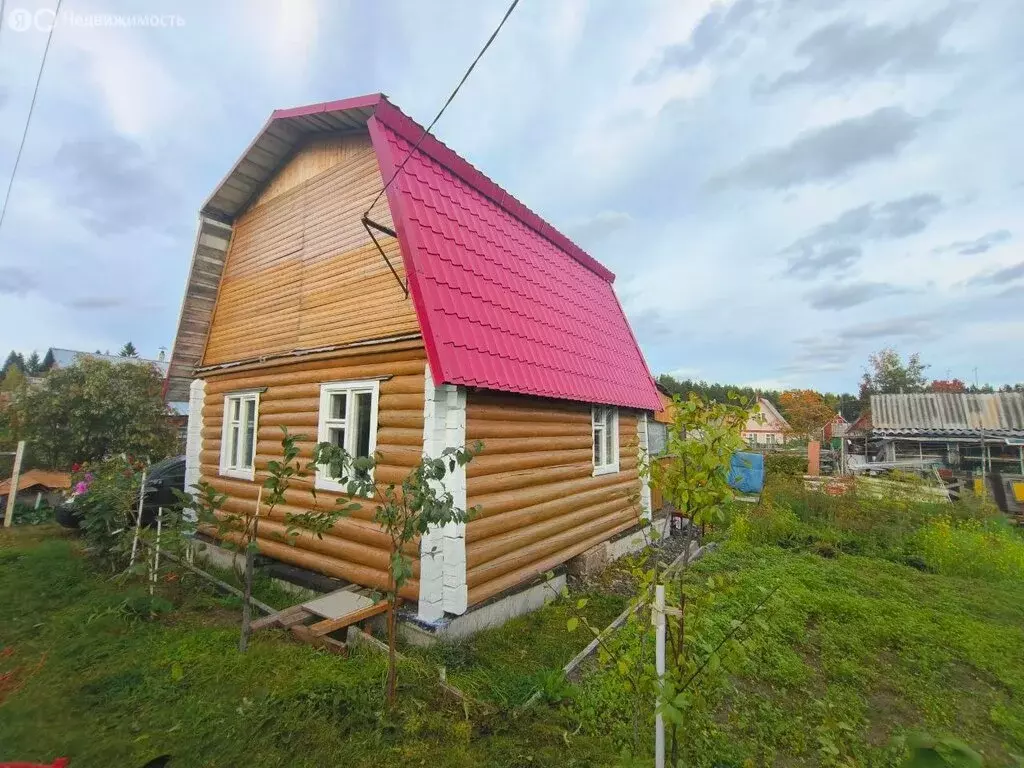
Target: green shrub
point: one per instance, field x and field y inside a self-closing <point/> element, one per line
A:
<point x="973" y="548"/>
<point x="785" y="464"/>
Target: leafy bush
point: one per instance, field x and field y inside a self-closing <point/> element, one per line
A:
<point x="785" y="464"/>
<point x="973" y="548"/>
<point x="106" y="496"/>
<point x="28" y="514"/>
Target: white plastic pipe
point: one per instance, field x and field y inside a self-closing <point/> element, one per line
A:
<point x="659" y="662"/>
<point x="156" y="553"/>
<point x="138" y="520"/>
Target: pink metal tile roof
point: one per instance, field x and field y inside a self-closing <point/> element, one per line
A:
<point x="505" y="301"/>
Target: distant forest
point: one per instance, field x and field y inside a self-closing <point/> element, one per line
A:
<point x="846" y="404"/>
<point x="849" y="405"/>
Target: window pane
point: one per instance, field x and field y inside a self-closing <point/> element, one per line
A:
<point x="364" y="400"/>
<point x="609" y="443"/>
<point x="598" y="445"/>
<point x="336" y="436"/>
<point x="233" y="446"/>
<point x="338" y="401"/>
<point x="249" y="447"/>
<point x="234" y="408"/>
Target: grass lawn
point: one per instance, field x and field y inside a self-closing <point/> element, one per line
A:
<point x="86" y="673"/>
<point x="887" y="621"/>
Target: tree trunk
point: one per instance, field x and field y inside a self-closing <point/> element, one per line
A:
<point x="392" y="687"/>
<point x="243" y="641"/>
<point x="250" y="556"/>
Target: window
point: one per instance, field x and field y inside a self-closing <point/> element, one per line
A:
<point x="657" y="438"/>
<point x="238" y="440"/>
<point x="769" y="439"/>
<point x="606" y="439"/>
<point x="348" y="419"/>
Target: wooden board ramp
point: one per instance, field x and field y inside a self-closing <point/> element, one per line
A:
<point x="314" y="620"/>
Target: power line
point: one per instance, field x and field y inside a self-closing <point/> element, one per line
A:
<point x="31" y="109"/>
<point x="437" y="117"/>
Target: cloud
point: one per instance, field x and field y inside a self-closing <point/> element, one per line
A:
<point x="97" y="302"/>
<point x="907" y="326"/>
<point x="822" y="154"/>
<point x="651" y="324"/>
<point x="599" y="226"/>
<point x="16" y="282"/>
<point x="978" y="245"/>
<point x="115" y="184"/>
<point x="836" y="245"/>
<point x="852" y="50"/>
<point x="134" y="84"/>
<point x="713" y="32"/>
<point x="999" y="276"/>
<point x="811" y="265"/>
<point x="850" y="295"/>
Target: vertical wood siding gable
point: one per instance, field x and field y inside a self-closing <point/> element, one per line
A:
<point x="301" y="271"/>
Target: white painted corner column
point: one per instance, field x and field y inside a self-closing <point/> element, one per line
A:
<point x="645" y="484"/>
<point x="443" y="549"/>
<point x="194" y="433"/>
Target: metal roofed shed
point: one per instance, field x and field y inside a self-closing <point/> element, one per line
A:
<point x="960" y="432"/>
<point x="949" y="414"/>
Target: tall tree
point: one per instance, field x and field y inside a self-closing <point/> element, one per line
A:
<point x="887" y="374"/>
<point x="128" y="350"/>
<point x="92" y="410"/>
<point x="33" y="366"/>
<point x="806" y="411"/>
<point x="16" y="360"/>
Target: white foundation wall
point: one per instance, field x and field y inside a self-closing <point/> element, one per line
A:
<point x="194" y="432"/>
<point x="443" y="550"/>
<point x="645" y="485"/>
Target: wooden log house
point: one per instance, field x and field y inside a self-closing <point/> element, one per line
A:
<point x="452" y="314"/>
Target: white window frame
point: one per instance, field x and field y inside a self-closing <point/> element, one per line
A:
<point x="610" y="420"/>
<point x="324" y="423"/>
<point x="239" y="471"/>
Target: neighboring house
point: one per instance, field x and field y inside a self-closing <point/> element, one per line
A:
<point x="451" y="314"/>
<point x="766" y="426"/>
<point x="35" y="487"/>
<point x="64" y="358"/>
<point x="836" y="429"/>
<point x="958" y="431"/>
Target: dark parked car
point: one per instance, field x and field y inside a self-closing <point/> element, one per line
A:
<point x="162" y="479"/>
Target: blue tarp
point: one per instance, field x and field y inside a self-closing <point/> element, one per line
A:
<point x="746" y="472"/>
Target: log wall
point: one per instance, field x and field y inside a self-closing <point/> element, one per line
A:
<point x="356" y="549"/>
<point x="301" y="271"/>
<point x="541" y="504"/>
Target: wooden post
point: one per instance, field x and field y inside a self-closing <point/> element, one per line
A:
<point x="15" y="476"/>
<point x="39" y="499"/>
<point x="659" y="666"/>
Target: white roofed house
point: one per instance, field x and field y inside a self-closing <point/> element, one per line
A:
<point x="766" y="426"/>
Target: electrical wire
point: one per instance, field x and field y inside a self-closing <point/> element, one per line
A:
<point x="451" y="98"/>
<point x="31" y="109"/>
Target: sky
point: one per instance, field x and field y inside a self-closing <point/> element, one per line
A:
<point x="781" y="186"/>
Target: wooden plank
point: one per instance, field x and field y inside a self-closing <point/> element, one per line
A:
<point x="332" y="625"/>
<point x="286" y="618"/>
